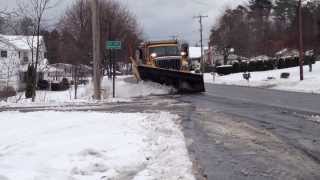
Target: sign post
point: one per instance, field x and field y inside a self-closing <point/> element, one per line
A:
<point x="111" y="46"/>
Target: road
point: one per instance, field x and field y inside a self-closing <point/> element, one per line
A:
<point x="251" y="133"/>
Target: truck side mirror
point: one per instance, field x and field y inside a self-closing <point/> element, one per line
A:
<point x="139" y="54"/>
<point x="185" y="48"/>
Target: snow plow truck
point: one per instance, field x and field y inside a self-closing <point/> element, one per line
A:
<point x="167" y="62"/>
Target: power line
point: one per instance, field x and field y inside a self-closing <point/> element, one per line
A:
<point x="200" y="17"/>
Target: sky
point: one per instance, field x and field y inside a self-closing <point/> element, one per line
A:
<point x="162" y="19"/>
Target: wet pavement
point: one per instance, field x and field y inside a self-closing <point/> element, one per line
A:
<point x="251" y="133"/>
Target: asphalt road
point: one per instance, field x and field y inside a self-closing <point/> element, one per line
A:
<point x="251" y="133"/>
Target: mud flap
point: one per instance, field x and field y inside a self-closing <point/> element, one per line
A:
<point x="184" y="82"/>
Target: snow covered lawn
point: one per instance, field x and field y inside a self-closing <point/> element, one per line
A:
<point x="90" y="146"/>
<point x="271" y="79"/>
<point x="124" y="92"/>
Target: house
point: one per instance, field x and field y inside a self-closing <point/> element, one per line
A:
<point x="195" y="55"/>
<point x="16" y="53"/>
<point x="57" y="72"/>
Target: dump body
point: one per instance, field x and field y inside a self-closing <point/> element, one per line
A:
<point x="164" y="62"/>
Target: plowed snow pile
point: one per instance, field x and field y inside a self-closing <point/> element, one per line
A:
<point x="91" y="146"/>
<point x="271" y="79"/>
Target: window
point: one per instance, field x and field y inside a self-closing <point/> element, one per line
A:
<point x="25" y="57"/>
<point x="165" y="51"/>
<point x="4" y="54"/>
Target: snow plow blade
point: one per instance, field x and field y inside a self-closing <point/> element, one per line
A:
<point x="184" y="82"/>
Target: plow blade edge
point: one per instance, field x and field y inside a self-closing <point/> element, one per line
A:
<point x="184" y="82"/>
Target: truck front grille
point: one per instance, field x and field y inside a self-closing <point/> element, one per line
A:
<point x="168" y="64"/>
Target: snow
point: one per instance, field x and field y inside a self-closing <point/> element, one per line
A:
<point x="271" y="79"/>
<point x="195" y="52"/>
<point x="125" y="91"/>
<point x="92" y="145"/>
<point x="315" y="118"/>
<point x="22" y="42"/>
<point x="260" y="58"/>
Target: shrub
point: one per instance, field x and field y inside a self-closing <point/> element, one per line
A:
<point x="43" y="85"/>
<point x="252" y="66"/>
<point x="243" y="67"/>
<point x="7" y="92"/>
<point x="236" y="67"/>
<point x="209" y="68"/>
<point x="61" y="86"/>
<point x="270" y="64"/>
<point x="84" y="81"/>
<point x="260" y="66"/>
<point x="224" y="70"/>
<point x="281" y="63"/>
<point x="65" y="84"/>
<point x="55" y="87"/>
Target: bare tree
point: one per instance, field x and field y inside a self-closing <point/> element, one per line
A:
<point x="117" y="23"/>
<point x="35" y="10"/>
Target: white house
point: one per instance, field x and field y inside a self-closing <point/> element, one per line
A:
<point x="16" y="53"/>
<point x="57" y="72"/>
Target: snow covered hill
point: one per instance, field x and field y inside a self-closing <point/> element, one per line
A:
<point x="271" y="79"/>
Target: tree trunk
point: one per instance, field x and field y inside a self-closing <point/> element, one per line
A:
<point x="75" y="83"/>
<point x="34" y="86"/>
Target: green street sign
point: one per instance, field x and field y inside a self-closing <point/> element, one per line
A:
<point x="113" y="45"/>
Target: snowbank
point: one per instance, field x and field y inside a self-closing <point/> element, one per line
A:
<point x="271" y="79"/>
<point x="124" y="91"/>
<point x="91" y="145"/>
<point x="315" y="118"/>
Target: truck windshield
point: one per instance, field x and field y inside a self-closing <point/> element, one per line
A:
<point x="165" y="51"/>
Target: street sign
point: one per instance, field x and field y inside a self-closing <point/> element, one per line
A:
<point x="113" y="45"/>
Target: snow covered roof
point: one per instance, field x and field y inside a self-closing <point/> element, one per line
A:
<point x="21" y="42"/>
<point x="61" y="65"/>
<point x="195" y="52"/>
<point x="285" y="53"/>
<point x="260" y="58"/>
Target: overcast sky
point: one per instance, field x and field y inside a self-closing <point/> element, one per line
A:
<point x="161" y="19"/>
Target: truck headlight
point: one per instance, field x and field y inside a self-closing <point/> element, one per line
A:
<point x="154" y="55"/>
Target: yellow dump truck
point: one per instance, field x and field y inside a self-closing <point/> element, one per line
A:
<point x="167" y="62"/>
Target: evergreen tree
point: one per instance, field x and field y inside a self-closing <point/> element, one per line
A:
<point x="30" y="79"/>
<point x="52" y="40"/>
<point x="260" y="24"/>
<point x="2" y="23"/>
<point x="285" y="12"/>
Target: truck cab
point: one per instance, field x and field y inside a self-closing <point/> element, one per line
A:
<point x="164" y="54"/>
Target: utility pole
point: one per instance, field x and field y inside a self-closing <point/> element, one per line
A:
<point x="96" y="49"/>
<point x="301" y="62"/>
<point x="200" y="17"/>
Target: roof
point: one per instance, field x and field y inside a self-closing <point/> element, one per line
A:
<point x="260" y="58"/>
<point x="148" y="43"/>
<point x="21" y="42"/>
<point x="284" y="53"/>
